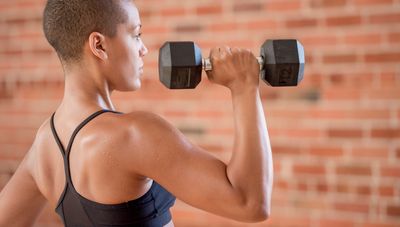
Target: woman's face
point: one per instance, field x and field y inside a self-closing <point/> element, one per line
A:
<point x="125" y="65"/>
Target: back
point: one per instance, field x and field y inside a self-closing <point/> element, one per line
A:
<point x="100" y="178"/>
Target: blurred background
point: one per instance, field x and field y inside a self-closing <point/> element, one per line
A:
<point x="335" y="138"/>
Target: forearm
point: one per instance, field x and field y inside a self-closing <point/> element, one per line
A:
<point x="250" y="169"/>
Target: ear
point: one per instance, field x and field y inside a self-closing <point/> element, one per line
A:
<point x="97" y="45"/>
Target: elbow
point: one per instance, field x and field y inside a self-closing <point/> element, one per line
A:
<point x="258" y="212"/>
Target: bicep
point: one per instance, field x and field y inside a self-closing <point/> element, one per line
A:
<point x="20" y="200"/>
<point x="190" y="173"/>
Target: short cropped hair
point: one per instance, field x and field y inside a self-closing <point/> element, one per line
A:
<point x="67" y="24"/>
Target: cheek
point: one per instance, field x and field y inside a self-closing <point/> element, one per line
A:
<point x="123" y="61"/>
<point x="131" y="54"/>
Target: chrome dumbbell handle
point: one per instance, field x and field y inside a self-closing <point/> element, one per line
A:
<point x="207" y="66"/>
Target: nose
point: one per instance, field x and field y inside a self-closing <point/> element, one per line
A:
<point x="143" y="50"/>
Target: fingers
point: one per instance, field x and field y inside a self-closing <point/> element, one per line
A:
<point x="220" y="52"/>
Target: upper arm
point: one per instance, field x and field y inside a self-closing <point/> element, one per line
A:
<point x="20" y="200"/>
<point x="184" y="169"/>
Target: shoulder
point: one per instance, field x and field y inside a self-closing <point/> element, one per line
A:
<point x="36" y="155"/>
<point x="136" y="133"/>
<point x="148" y="139"/>
<point x="145" y="123"/>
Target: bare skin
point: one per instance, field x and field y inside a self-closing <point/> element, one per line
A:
<point x="116" y="157"/>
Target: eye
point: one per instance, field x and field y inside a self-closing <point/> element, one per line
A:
<point x="138" y="37"/>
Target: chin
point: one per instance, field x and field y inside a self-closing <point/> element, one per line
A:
<point x="130" y="87"/>
<point x="136" y="86"/>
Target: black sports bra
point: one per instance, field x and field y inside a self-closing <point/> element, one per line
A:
<point x="151" y="209"/>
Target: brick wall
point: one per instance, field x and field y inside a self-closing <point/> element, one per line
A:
<point x="335" y="138"/>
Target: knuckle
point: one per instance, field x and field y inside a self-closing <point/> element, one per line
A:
<point x="235" y="50"/>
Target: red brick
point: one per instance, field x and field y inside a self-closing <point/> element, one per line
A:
<point x="222" y="131"/>
<point x="382" y="57"/>
<point x="394" y="37"/>
<point x="386" y="93"/>
<point x="363" y="190"/>
<point x="299" y="133"/>
<point x="300" y="23"/>
<point x="362" y="79"/>
<point x="342" y="94"/>
<point x="309" y="59"/>
<point x="210" y="114"/>
<point x="175" y="113"/>
<point x="358" y="170"/>
<point x="277" y="166"/>
<point x="248" y="7"/>
<point x="398" y="153"/>
<point x="327" y="3"/>
<point x="313" y="80"/>
<point x="369" y="152"/>
<point x="380" y="224"/>
<point x="173" y="12"/>
<point x="335" y="223"/>
<point x="385" y="18"/>
<point x="390" y="171"/>
<point x="342" y="188"/>
<point x="372" y="2"/>
<point x="149" y="29"/>
<point x="315" y="40"/>
<point x="322" y="187"/>
<point x="286" y="150"/>
<point x="388" y="79"/>
<point x="337" y="79"/>
<point x="242" y="43"/>
<point x="345" y="133"/>
<point x="386" y="133"/>
<point x="340" y="59"/>
<point x="223" y="27"/>
<point x="262" y="24"/>
<point x="308" y="169"/>
<point x="12" y="53"/>
<point x="393" y="210"/>
<point x="283" y="5"/>
<point x="343" y="21"/>
<point x="354" y="114"/>
<point x="17" y="21"/>
<point x="302" y="186"/>
<point x="146" y="13"/>
<point x="206" y="10"/>
<point x="189" y="28"/>
<point x="386" y="191"/>
<point x="281" y="184"/>
<point x="325" y="151"/>
<point x="364" y="39"/>
<point x="352" y="207"/>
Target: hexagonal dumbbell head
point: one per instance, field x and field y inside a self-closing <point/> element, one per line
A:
<point x="180" y="65"/>
<point x="283" y="62"/>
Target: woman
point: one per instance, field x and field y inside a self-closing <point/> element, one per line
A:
<point x="100" y="167"/>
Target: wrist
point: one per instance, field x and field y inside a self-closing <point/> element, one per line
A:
<point x="244" y="91"/>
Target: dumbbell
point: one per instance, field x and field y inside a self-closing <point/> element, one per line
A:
<point x="281" y="62"/>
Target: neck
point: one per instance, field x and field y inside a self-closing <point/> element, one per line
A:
<point x="85" y="91"/>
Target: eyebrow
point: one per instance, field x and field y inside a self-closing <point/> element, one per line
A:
<point x="135" y="26"/>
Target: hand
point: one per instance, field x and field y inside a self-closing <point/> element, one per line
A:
<point x="234" y="68"/>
